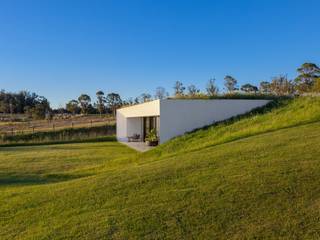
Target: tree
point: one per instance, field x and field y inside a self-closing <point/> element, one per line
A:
<point x="265" y="87"/>
<point x="145" y="97"/>
<point x="230" y="83"/>
<point x="281" y="86"/>
<point x="91" y="109"/>
<point x="193" y="90"/>
<point x="248" y="88"/>
<point x="24" y="102"/>
<point x="40" y="110"/>
<point x="7" y="102"/>
<point x="160" y="93"/>
<point x="211" y="88"/>
<point x="316" y="86"/>
<point x="84" y="101"/>
<point x="113" y="101"/>
<point x="100" y="102"/>
<point x="136" y="100"/>
<point x="17" y="102"/>
<point x="308" y="73"/>
<point x="20" y="100"/>
<point x="178" y="89"/>
<point x="129" y="101"/>
<point x="73" y="106"/>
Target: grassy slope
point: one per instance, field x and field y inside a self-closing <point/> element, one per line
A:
<point x="261" y="186"/>
<point x="294" y="112"/>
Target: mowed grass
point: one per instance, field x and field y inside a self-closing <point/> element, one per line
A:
<point x="51" y="163"/>
<point x="261" y="186"/>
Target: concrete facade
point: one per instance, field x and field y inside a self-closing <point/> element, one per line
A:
<point x="130" y="119"/>
<point x="178" y="116"/>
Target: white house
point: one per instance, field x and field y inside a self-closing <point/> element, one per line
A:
<point x="173" y="117"/>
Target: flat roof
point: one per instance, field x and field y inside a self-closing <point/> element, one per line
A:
<point x="194" y="99"/>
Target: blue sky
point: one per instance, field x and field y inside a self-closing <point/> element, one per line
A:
<point x="62" y="48"/>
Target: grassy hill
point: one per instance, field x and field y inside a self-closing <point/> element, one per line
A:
<point x="252" y="178"/>
<point x="278" y="115"/>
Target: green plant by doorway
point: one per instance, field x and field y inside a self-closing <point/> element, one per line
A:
<point x="152" y="138"/>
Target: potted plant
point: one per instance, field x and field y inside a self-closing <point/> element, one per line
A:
<point x="152" y="138"/>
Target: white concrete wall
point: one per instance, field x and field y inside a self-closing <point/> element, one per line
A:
<point x="121" y="127"/>
<point x="142" y="110"/>
<point x="134" y="126"/>
<point x="180" y="116"/>
<point x="128" y="122"/>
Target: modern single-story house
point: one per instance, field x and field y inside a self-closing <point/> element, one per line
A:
<point x="173" y="117"/>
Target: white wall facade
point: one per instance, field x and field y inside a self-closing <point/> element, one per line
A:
<point x="178" y="116"/>
<point x="129" y="119"/>
<point x="134" y="126"/>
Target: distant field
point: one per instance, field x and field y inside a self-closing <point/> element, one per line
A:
<point x="25" y="126"/>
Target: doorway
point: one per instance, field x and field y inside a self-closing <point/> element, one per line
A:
<point x="149" y="123"/>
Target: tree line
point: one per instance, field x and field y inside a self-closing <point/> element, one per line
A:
<point x="307" y="81"/>
<point x="109" y="103"/>
<point x="24" y="102"/>
<point x="104" y="104"/>
<point x="35" y="106"/>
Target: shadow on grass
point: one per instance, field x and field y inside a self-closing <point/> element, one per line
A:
<point x="62" y="146"/>
<point x="32" y="179"/>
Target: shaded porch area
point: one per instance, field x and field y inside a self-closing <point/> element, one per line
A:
<point x="139" y="127"/>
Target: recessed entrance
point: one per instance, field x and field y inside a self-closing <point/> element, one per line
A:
<point x="150" y="123"/>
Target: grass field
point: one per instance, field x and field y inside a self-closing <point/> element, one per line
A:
<point x="255" y="178"/>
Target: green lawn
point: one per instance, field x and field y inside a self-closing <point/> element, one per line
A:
<point x="232" y="181"/>
<point x="55" y="163"/>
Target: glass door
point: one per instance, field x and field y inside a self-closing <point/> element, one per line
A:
<point x="149" y="123"/>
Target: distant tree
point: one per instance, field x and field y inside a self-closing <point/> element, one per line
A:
<point x="230" y="83"/>
<point x="316" y="85"/>
<point x="136" y="100"/>
<point x="248" y="88"/>
<point x="178" y="89"/>
<point x="130" y="101"/>
<point x="7" y="102"/>
<point x="160" y="93"/>
<point x="41" y="108"/>
<point x="73" y="107"/>
<point x="281" y="86"/>
<point x="84" y="101"/>
<point x="60" y="110"/>
<point x="100" y="102"/>
<point x="20" y="101"/>
<point x="193" y="90"/>
<point x="113" y="101"/>
<point x="92" y="110"/>
<point x="211" y="88"/>
<point x="17" y="102"/>
<point x="308" y="74"/>
<point x="265" y="87"/>
<point x="24" y="102"/>
<point x="145" y="97"/>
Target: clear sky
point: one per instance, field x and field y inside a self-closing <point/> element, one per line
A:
<point x="62" y="48"/>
